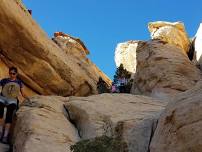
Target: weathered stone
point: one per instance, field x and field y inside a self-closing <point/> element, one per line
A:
<point x="163" y="70"/>
<point x="41" y="126"/>
<point x="70" y="44"/>
<point x="172" y="33"/>
<point x="198" y="46"/>
<point x="126" y="54"/>
<point x="43" y="66"/>
<point x="128" y="117"/>
<point x="180" y="126"/>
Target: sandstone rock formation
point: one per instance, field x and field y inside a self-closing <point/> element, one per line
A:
<point x="198" y="46"/>
<point x="71" y="45"/>
<point x="133" y="118"/>
<point x="180" y="126"/>
<point x="126" y="54"/>
<point x="41" y="126"/>
<point x="44" y="67"/>
<point x="163" y="70"/>
<point x="172" y="33"/>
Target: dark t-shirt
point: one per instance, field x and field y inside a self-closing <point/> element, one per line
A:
<point x="4" y="81"/>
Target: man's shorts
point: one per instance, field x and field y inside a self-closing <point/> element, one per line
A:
<point x="7" y="101"/>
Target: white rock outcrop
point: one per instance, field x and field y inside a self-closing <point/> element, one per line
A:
<point x="125" y="54"/>
<point x="172" y="33"/>
<point x="198" y="46"/>
<point x="133" y="118"/>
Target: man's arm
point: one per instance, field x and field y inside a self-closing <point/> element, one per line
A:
<point x="22" y="90"/>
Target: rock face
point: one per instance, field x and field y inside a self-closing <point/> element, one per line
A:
<point x="133" y="118"/>
<point x="180" y="126"/>
<point x="126" y="54"/>
<point x="43" y="65"/>
<point x="71" y="45"/>
<point x="198" y="46"/>
<point x="41" y="126"/>
<point x="172" y="33"/>
<point x="163" y="70"/>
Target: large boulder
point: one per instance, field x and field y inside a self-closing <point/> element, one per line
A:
<point x="126" y="54"/>
<point x="42" y="64"/>
<point x="42" y="126"/>
<point x="163" y="70"/>
<point x="180" y="126"/>
<point x="198" y="46"/>
<point x="130" y="118"/>
<point x="172" y="33"/>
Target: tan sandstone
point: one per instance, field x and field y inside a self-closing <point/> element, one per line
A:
<point x="71" y="45"/>
<point x="133" y="118"/>
<point x="180" y="126"/>
<point x="42" y="126"/>
<point x="163" y="70"/>
<point x="172" y="33"/>
<point x="44" y="66"/>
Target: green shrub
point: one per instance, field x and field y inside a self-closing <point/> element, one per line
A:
<point x="100" y="144"/>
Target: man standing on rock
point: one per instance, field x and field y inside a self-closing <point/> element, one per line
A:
<point x="11" y="87"/>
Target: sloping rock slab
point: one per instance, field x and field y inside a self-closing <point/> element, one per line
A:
<point x="180" y="126"/>
<point x="128" y="117"/>
<point x="41" y="126"/>
<point x="43" y="65"/>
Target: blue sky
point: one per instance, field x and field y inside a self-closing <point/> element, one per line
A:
<point x="101" y="24"/>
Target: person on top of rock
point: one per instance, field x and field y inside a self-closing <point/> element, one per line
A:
<point x="11" y="87"/>
<point x="122" y="81"/>
<point x="113" y="88"/>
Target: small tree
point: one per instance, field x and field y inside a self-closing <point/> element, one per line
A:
<point x="121" y="72"/>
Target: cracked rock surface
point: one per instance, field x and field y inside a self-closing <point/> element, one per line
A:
<point x="129" y="117"/>
<point x="41" y="126"/>
<point x="180" y="126"/>
<point x="163" y="70"/>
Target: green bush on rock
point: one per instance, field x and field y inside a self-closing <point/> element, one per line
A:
<point x="100" y="144"/>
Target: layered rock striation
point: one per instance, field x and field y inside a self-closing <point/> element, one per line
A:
<point x="43" y="65"/>
<point x="163" y="70"/>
